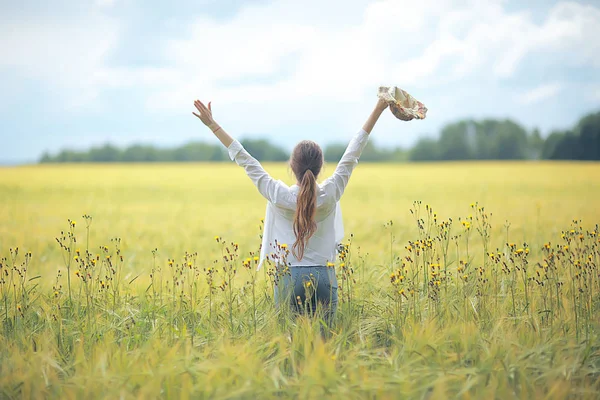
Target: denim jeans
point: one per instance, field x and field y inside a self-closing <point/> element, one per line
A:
<point x="303" y="288"/>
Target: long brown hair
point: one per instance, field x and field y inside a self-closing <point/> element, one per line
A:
<point x="306" y="162"/>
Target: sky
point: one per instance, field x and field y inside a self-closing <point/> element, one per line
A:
<point x="74" y="74"/>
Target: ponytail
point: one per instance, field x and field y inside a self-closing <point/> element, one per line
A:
<point x="304" y="218"/>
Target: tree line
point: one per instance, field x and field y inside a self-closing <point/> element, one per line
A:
<point x="488" y="139"/>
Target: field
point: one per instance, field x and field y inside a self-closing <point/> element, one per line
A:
<point x="500" y="302"/>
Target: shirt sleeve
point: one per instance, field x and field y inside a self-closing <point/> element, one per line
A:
<point x="266" y="185"/>
<point x="339" y="180"/>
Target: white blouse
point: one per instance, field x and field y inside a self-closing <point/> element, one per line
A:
<point x="281" y="206"/>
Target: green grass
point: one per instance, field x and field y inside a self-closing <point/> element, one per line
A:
<point x="508" y="322"/>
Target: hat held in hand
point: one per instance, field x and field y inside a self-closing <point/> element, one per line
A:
<point x="402" y="104"/>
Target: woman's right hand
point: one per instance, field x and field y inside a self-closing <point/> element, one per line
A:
<point x="381" y="104"/>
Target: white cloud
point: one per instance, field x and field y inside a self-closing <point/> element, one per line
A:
<point x="539" y="93"/>
<point x="390" y="45"/>
<point x="302" y="60"/>
<point x="67" y="55"/>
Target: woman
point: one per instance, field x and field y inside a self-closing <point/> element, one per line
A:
<point x="306" y="215"/>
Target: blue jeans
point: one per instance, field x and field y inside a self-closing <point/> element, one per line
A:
<point x="303" y="288"/>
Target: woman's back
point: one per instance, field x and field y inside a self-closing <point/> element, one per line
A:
<point x="320" y="248"/>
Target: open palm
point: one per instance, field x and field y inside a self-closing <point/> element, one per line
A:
<point x="204" y="113"/>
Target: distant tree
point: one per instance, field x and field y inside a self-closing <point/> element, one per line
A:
<point x="106" y="153"/>
<point x="45" y="158"/>
<point x="536" y="144"/>
<point x="426" y="149"/>
<point x="567" y="148"/>
<point x="589" y="142"/>
<point x="551" y="143"/>
<point x="588" y="131"/>
<point x="198" y="152"/>
<point x="334" y="152"/>
<point x="70" y="156"/>
<point x="511" y="142"/>
<point x="262" y="150"/>
<point x="140" y="153"/>
<point x="462" y="140"/>
<point x="456" y="142"/>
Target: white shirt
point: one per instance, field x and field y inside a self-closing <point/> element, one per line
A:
<point x="281" y="205"/>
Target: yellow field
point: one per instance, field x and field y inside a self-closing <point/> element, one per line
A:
<point x="178" y="208"/>
<point x="440" y="317"/>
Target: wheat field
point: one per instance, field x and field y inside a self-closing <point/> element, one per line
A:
<point x="460" y="280"/>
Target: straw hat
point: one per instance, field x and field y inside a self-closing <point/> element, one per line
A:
<point x="402" y="104"/>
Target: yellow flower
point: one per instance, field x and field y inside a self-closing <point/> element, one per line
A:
<point x="308" y="284"/>
<point x="256" y="258"/>
<point x="217" y="238"/>
<point x="77" y="273"/>
<point x="284" y="246"/>
<point x="342" y="265"/>
<point x="519" y="251"/>
<point x="72" y="223"/>
<point x="330" y="264"/>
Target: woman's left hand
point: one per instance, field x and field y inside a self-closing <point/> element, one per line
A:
<point x="204" y="113"/>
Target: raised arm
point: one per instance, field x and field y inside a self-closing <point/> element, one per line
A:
<point x="205" y="115"/>
<point x="266" y="185"/>
<point x="339" y="180"/>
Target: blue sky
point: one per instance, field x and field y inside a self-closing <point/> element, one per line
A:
<point x="79" y="73"/>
